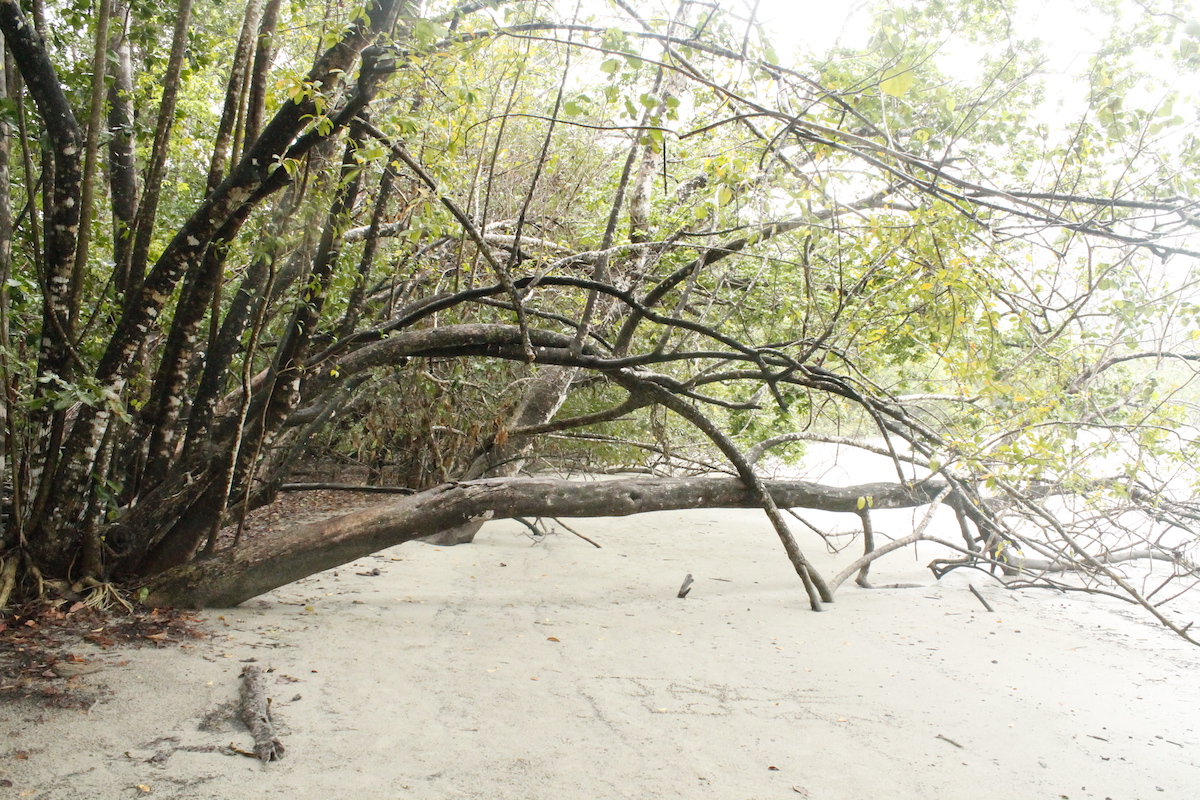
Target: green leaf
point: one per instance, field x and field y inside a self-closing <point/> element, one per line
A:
<point x="427" y="31"/>
<point x="897" y="81"/>
<point x="614" y="39"/>
<point x="610" y="66"/>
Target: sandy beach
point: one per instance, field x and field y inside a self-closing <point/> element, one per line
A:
<point x="517" y="668"/>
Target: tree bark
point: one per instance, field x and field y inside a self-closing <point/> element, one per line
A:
<point x="166" y="402"/>
<point x="282" y="392"/>
<point x="148" y="210"/>
<point x="87" y="189"/>
<point x="122" y="161"/>
<point x="264" y="56"/>
<point x="235" y="575"/>
<point x="61" y="176"/>
<point x="234" y="94"/>
<point x="257" y="289"/>
<point x="7" y="409"/>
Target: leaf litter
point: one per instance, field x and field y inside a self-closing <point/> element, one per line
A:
<point x="48" y="647"/>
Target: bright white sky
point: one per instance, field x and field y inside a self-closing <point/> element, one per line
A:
<point x="1069" y="35"/>
<point x="811" y="25"/>
<point x="818" y="25"/>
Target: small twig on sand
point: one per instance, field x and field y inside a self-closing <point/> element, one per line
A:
<point x="975" y="592"/>
<point x="951" y="741"/>
<point x="569" y="529"/>
<point x="687" y="586"/>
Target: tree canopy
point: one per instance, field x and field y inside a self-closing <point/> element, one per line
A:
<point x="451" y="242"/>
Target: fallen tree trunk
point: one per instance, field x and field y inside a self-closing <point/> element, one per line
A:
<point x="235" y="575"/>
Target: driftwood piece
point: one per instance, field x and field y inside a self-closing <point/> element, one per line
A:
<point x="256" y="713"/>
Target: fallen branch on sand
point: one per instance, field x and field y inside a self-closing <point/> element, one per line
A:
<point x="235" y="575"/>
<point x="256" y="713"/>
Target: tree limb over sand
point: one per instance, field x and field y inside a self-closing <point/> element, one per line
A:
<point x="234" y="576"/>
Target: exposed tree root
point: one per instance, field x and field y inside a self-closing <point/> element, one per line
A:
<point x="8" y="578"/>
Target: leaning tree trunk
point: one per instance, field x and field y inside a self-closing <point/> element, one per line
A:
<point x="235" y="575"/>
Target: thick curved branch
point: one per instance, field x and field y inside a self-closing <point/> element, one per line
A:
<point x="631" y="404"/>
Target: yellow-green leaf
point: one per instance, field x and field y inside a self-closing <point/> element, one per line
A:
<point x="897" y="81"/>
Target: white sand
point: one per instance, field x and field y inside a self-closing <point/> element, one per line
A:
<point x="439" y="678"/>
